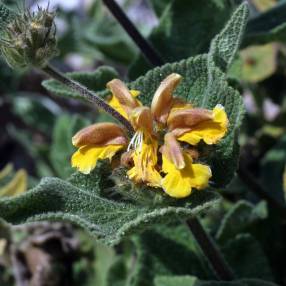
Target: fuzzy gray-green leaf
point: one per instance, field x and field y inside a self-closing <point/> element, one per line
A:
<point x="239" y="218"/>
<point x="193" y="281"/>
<point x="225" y="45"/>
<point x="247" y="258"/>
<point x="174" y="239"/>
<point x="95" y="81"/>
<point x="79" y="201"/>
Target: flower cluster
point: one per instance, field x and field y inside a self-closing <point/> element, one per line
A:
<point x="162" y="153"/>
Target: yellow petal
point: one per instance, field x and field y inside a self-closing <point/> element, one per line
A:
<point x="86" y="157"/>
<point x="7" y="170"/>
<point x="3" y="244"/>
<point x="114" y="103"/>
<point x="145" y="160"/>
<point x="17" y="186"/>
<point x="179" y="183"/>
<point x="134" y="92"/>
<point x="210" y="131"/>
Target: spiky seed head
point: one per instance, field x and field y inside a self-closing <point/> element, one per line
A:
<point x="30" y="39"/>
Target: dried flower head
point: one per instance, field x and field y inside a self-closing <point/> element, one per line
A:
<point x="30" y="39"/>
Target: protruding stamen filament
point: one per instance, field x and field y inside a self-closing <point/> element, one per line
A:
<point x="136" y="142"/>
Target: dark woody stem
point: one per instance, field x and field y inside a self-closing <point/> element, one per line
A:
<point x="90" y="96"/>
<point x="147" y="50"/>
<point x="210" y="250"/>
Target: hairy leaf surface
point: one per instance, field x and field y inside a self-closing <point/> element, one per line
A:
<point x="95" y="81"/>
<point x="79" y="201"/>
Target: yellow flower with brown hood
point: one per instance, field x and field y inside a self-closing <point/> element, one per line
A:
<point x="95" y="142"/>
<point x="162" y="152"/>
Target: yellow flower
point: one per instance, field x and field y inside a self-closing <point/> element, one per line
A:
<point x="176" y="172"/>
<point x="145" y="161"/>
<point x="196" y="124"/>
<point x="181" y="174"/>
<point x="179" y="183"/>
<point x="95" y="142"/>
<point x="145" y="148"/>
<point x="17" y="185"/>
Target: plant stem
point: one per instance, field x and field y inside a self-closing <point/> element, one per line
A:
<point x="148" y="51"/>
<point x="210" y="250"/>
<point x="89" y="95"/>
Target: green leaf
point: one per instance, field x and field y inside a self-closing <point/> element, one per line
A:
<point x="167" y="250"/>
<point x="273" y="165"/>
<point x="176" y="281"/>
<point x="159" y="6"/>
<point x="105" y="257"/>
<point x="239" y="218"/>
<point x="35" y="110"/>
<point x="259" y="62"/>
<point x="246" y="257"/>
<point x="110" y="39"/>
<point x="225" y="45"/>
<point x="118" y="273"/>
<point x="95" y="81"/>
<point x="193" y="281"/>
<point x="62" y="148"/>
<point x="79" y="201"/>
<point x="267" y="27"/>
<point x="186" y="29"/>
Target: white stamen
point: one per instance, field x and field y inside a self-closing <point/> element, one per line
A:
<point x="136" y="142"/>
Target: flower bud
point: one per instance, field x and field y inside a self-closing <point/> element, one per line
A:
<point x="30" y="39"/>
<point x="100" y="134"/>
